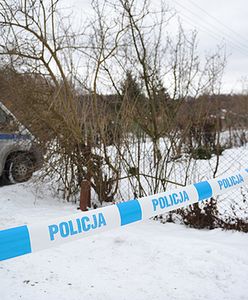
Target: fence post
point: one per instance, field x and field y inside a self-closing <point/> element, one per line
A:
<point x="85" y="195"/>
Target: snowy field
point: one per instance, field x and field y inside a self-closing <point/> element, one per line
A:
<point x="147" y="260"/>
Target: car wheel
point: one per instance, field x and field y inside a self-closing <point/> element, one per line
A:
<point x="19" y="168"/>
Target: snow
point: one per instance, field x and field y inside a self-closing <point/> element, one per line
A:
<point x="146" y="260"/>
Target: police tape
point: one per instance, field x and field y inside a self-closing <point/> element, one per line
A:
<point x="31" y="238"/>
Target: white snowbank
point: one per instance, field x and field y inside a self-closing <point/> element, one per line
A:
<point x="142" y="261"/>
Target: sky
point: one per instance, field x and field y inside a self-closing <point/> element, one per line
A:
<point x="222" y="22"/>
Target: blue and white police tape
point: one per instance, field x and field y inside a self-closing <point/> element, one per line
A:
<point x="31" y="238"/>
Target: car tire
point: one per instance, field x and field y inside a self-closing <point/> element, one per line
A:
<point x="19" y="168"/>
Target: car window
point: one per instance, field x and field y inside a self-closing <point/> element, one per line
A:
<point x="3" y="117"/>
<point x="7" y="123"/>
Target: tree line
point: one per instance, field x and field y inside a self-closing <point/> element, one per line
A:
<point x="116" y="99"/>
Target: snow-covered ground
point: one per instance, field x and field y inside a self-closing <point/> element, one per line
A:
<point x="147" y="260"/>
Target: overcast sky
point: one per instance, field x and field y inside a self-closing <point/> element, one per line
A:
<point x="217" y="22"/>
<point x="221" y="21"/>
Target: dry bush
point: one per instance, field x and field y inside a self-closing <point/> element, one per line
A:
<point x="111" y="123"/>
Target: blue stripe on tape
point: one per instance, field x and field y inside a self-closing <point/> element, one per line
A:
<point x="204" y="190"/>
<point x="130" y="211"/>
<point x="14" y="242"/>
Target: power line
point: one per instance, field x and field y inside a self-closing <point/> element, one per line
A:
<point x="218" y="21"/>
<point x="240" y="45"/>
<point x="213" y="34"/>
<point x="235" y="44"/>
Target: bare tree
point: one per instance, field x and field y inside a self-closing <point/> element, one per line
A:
<point x="99" y="129"/>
